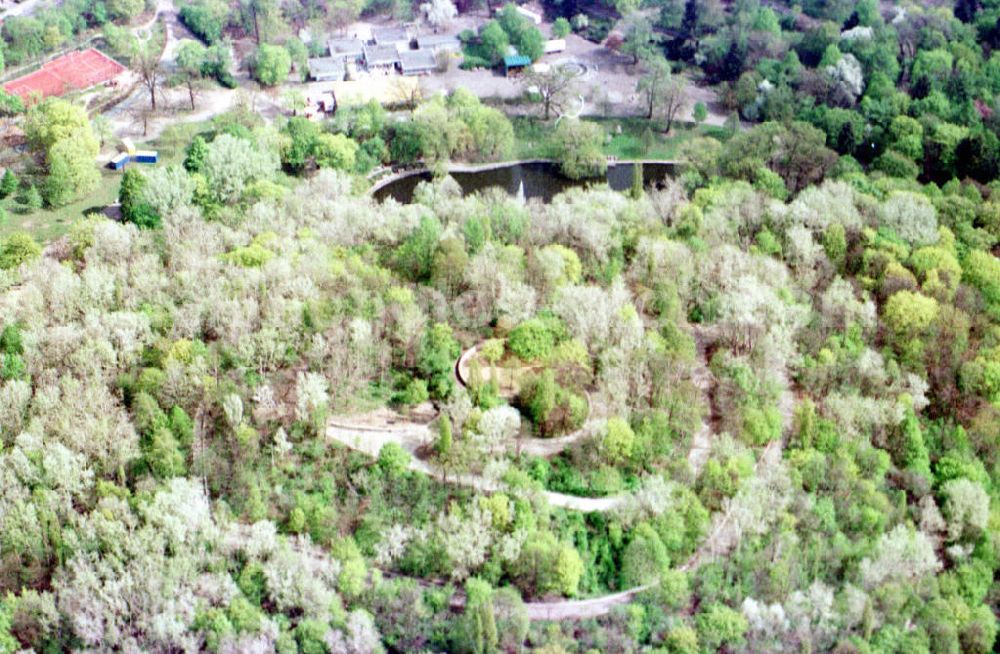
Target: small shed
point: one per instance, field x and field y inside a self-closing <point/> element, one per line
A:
<point x="118" y="161"/>
<point x="381" y="56"/>
<point x="439" y="43"/>
<point x="515" y="63"/>
<point x="555" y="45"/>
<point x="346" y="49"/>
<point x="147" y="156"/>
<point x="417" y="62"/>
<point x="327" y="69"/>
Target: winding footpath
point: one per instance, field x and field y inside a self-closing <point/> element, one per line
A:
<point x="355" y="433"/>
<point x="370" y="432"/>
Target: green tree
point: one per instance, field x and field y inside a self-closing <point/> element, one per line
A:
<point x="700" y="112"/>
<point x="561" y="28"/>
<point x="479" y="620"/>
<point x="531" y="340"/>
<point x="206" y="19"/>
<point x="639" y="38"/>
<point x="335" y="151"/>
<point x="194" y="159"/>
<point x="131" y="197"/>
<point x="16" y="249"/>
<point x="580" y="149"/>
<point x="645" y="558"/>
<point x="443" y="444"/>
<point x="494" y="42"/>
<point x="125" y="10"/>
<point x="271" y="65"/>
<point x="190" y="67"/>
<point x="8" y="184"/>
<point x="54" y="120"/>
<point x="71" y="169"/>
<point x="10" y="104"/>
<point x="618" y="442"/>
<point x="719" y="625"/>
<point x="31" y="198"/>
<point x="438" y="353"/>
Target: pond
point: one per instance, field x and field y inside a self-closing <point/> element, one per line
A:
<point x="540" y="179"/>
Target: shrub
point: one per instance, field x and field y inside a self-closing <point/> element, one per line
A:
<point x="532" y="340"/>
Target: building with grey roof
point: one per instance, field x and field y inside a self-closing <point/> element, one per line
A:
<point x="394" y="36"/>
<point x="327" y="69"/>
<point x="439" y="43"/>
<point x="346" y="49"/>
<point x="381" y="56"/>
<point x="417" y="62"/>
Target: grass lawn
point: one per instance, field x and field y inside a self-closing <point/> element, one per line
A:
<point x="48" y="224"/>
<point x="638" y="138"/>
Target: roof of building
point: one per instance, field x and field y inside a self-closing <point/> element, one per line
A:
<point x="417" y="60"/>
<point x="381" y="55"/>
<point x="326" y="66"/>
<point x="437" y="40"/>
<point x="516" y="61"/>
<point x="70" y="72"/>
<point x="345" y="47"/>
<point x="385" y="35"/>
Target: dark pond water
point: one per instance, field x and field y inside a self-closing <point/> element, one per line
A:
<point x="540" y="179"/>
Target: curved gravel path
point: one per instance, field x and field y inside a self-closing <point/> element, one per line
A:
<point x="370" y="432"/>
<point x="356" y="432"/>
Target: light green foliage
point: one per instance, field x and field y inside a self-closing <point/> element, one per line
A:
<point x="909" y="314"/>
<point x="700" y="112"/>
<point x="17" y="249"/>
<point x="618" y="442"/>
<point x="552" y="408"/>
<point x="55" y="120"/>
<point x="561" y="28"/>
<point x="231" y="164"/>
<point x="532" y="340"/>
<point x="579" y="144"/>
<point x="254" y="255"/>
<point x="438" y="353"/>
<point x="393" y="460"/>
<point x="271" y="65"/>
<point x="719" y="625"/>
<point x="196" y="153"/>
<point x="645" y="558"/>
<point x="8" y="184"/>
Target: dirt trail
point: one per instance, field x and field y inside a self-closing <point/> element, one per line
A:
<point x="365" y="434"/>
<point x="701" y="443"/>
<point x="370" y="432"/>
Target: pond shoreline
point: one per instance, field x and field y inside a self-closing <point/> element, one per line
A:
<point x="460" y="167"/>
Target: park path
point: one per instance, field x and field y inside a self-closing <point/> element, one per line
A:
<point x="363" y="433"/>
<point x="370" y="432"/>
<point x="704" y="380"/>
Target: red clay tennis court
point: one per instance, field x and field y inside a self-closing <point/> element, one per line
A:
<point x="70" y="72"/>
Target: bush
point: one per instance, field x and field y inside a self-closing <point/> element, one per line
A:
<point x="473" y="62"/>
<point x="895" y="164"/>
<point x="532" y="340"/>
<point x="551" y="407"/>
<point x="412" y="393"/>
<point x="16" y="249"/>
<point x="561" y="28"/>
